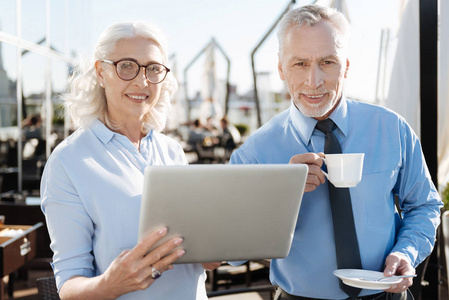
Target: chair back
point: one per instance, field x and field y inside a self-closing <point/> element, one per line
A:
<point x="46" y="288"/>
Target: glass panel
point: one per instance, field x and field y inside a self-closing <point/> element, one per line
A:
<point x="8" y="75"/>
<point x="58" y="24"/>
<point x="81" y="25"/>
<point x="33" y="71"/>
<point x="8" y="17"/>
<point x="59" y="84"/>
<point x="8" y="110"/>
<point x="33" y="122"/>
<point x="33" y="21"/>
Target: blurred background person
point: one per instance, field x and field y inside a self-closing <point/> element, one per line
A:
<point x="230" y="136"/>
<point x="32" y="127"/>
<point x="33" y="140"/>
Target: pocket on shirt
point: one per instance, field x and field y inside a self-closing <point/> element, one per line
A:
<point x="378" y="199"/>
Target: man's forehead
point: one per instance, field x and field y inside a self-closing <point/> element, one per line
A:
<point x="307" y="42"/>
<point x="319" y="31"/>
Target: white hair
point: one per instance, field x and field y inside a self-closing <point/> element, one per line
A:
<point x="311" y="15"/>
<point x="85" y="99"/>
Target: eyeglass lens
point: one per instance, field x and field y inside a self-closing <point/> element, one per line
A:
<point x="128" y="70"/>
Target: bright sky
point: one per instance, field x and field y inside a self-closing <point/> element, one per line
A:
<point x="236" y="25"/>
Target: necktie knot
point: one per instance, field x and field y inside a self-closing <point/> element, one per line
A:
<point x="325" y="126"/>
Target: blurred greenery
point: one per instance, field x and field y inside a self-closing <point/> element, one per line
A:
<point x="445" y="197"/>
<point x="242" y="128"/>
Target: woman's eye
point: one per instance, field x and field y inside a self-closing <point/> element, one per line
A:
<point x="126" y="66"/>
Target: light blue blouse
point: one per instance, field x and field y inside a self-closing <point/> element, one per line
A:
<point x="91" y="190"/>
<point x="393" y="165"/>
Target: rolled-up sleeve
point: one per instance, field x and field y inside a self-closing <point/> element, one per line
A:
<point x="69" y="225"/>
<point x="418" y="198"/>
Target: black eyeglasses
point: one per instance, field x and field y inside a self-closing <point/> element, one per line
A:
<point x="128" y="69"/>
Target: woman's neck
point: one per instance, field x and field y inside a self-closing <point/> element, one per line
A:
<point x="133" y="131"/>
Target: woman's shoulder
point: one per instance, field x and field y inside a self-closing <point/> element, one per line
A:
<point x="72" y="144"/>
<point x="165" y="139"/>
<point x="170" y="147"/>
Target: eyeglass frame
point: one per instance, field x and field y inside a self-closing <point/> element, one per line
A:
<point x="140" y="66"/>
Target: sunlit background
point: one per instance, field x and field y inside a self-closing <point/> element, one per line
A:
<point x="41" y="41"/>
<point x="236" y="26"/>
<point x="224" y="56"/>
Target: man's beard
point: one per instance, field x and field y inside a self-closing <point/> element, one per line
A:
<point x="315" y="110"/>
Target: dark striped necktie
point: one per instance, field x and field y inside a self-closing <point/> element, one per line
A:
<point x="346" y="244"/>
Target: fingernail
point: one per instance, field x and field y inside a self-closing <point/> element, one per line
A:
<point x="181" y="253"/>
<point x="178" y="241"/>
<point x="163" y="231"/>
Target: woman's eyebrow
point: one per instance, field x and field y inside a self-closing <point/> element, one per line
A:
<point x="135" y="60"/>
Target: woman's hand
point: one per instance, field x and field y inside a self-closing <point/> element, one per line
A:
<point x="315" y="177"/>
<point x="131" y="271"/>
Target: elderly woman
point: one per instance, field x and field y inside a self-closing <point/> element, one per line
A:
<point x="92" y="183"/>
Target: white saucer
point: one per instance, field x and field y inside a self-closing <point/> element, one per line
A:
<point x="365" y="279"/>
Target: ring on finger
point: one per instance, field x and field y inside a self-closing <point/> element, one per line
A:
<point x="155" y="274"/>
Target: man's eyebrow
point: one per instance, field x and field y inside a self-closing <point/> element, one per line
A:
<point x="332" y="56"/>
<point x="297" y="58"/>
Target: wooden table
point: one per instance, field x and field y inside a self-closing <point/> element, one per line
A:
<point x="23" y="213"/>
<point x="17" y="250"/>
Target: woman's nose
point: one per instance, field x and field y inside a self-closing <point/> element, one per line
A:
<point x="141" y="79"/>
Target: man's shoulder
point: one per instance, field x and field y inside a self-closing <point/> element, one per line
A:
<point x="272" y="129"/>
<point x="371" y="109"/>
<point x="262" y="141"/>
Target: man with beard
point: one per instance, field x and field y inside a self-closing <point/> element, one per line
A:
<point x="313" y="62"/>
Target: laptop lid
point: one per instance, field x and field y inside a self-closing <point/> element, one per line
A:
<point x="224" y="212"/>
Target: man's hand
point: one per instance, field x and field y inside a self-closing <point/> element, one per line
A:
<point x="315" y="177"/>
<point x="398" y="264"/>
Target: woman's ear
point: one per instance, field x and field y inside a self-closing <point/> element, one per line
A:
<point x="347" y="68"/>
<point x="99" y="72"/>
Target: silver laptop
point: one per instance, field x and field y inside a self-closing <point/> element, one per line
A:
<point x="224" y="212"/>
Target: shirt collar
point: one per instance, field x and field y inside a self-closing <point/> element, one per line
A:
<point x="340" y="116"/>
<point x="306" y="125"/>
<point x="104" y="134"/>
<point x="303" y="125"/>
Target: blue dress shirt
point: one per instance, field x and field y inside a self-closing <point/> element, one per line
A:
<point x="91" y="190"/>
<point x="393" y="165"/>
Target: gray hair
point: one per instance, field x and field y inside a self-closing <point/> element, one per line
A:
<point x="85" y="100"/>
<point x="311" y="15"/>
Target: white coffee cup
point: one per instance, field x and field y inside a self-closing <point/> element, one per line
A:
<point x="345" y="169"/>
